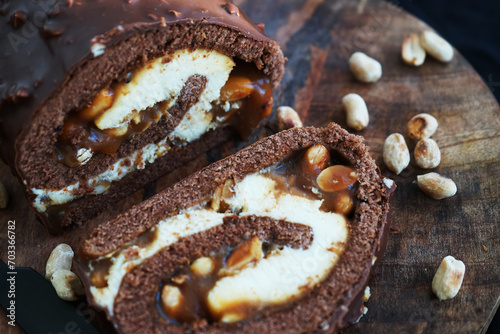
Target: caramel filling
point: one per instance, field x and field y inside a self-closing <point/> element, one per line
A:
<point x="245" y="99"/>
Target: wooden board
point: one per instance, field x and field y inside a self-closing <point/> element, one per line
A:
<point x="318" y="36"/>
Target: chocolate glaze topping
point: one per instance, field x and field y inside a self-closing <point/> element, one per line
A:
<point x="42" y="41"/>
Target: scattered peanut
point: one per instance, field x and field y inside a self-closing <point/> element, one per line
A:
<point x="422" y="126"/>
<point x="336" y="178"/>
<point x="364" y="68"/>
<point x="4" y="196"/>
<point x="250" y="251"/>
<point x="411" y="50"/>
<point x="436" y="46"/>
<point x="448" y="278"/>
<point x="202" y="266"/>
<point x="436" y="186"/>
<point x="367" y="294"/>
<point x="315" y="159"/>
<point x="288" y="118"/>
<point x="396" y="153"/>
<point x="427" y="153"/>
<point x="171" y="298"/>
<point x="61" y="257"/>
<point x="67" y="285"/>
<point x="356" y="111"/>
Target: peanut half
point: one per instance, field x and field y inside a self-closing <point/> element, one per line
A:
<point x="364" y="68"/>
<point x="356" y="111"/>
<point x="427" y="153"/>
<point x="422" y="126"/>
<point x="436" y="46"/>
<point x="411" y="50"/>
<point x="448" y="278"/>
<point x="436" y="186"/>
<point x="315" y="159"/>
<point x="203" y="266"/>
<point x="61" y="257"/>
<point x="396" y="153"/>
<point x="288" y="118"/>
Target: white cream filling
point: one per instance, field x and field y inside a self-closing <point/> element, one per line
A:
<point x="283" y="274"/>
<point x="215" y="66"/>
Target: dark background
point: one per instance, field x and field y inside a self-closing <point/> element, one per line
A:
<point x="473" y="27"/>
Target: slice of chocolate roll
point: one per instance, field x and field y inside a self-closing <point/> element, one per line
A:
<point x="278" y="238"/>
<point x="98" y="98"/>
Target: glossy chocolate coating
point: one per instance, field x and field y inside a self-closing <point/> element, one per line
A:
<point x="41" y="41"/>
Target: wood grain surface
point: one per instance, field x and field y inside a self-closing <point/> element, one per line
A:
<point x="318" y="36"/>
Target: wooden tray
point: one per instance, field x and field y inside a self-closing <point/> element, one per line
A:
<point x="318" y="36"/>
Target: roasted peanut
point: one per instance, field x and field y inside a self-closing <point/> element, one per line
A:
<point x="436" y="46"/>
<point x="364" y="68"/>
<point x="248" y="252"/>
<point x="118" y="132"/>
<point x="396" y="153"/>
<point x="171" y="298"/>
<point x="4" y="196"/>
<point x="202" y="266"/>
<point x="427" y="153"/>
<point x="422" y="126"/>
<point x="221" y="193"/>
<point x="448" y="278"/>
<point x="336" y="178"/>
<point x="411" y="50"/>
<point x="356" y="111"/>
<point x="61" y="257"/>
<point x="315" y="159"/>
<point x="67" y="285"/>
<point x="436" y="186"/>
<point x="102" y="101"/>
<point x="288" y="118"/>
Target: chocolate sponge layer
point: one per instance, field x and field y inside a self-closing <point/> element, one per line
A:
<point x="329" y="306"/>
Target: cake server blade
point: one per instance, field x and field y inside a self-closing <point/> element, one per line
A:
<point x="37" y="308"/>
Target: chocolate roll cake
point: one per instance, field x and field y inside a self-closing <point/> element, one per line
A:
<point x="278" y="238"/>
<point x="97" y="97"/>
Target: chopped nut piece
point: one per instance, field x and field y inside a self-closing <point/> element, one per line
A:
<point x="411" y="50"/>
<point x="436" y="186"/>
<point x="436" y="46"/>
<point x="118" y="132"/>
<point x="4" y="196"/>
<point x="221" y="193"/>
<point x="448" y="278"/>
<point x="236" y="89"/>
<point x="315" y="159"/>
<point x="367" y="294"/>
<point x="171" y="298"/>
<point x="427" y="153"/>
<point x="422" y="126"/>
<point x="364" y="68"/>
<point x="396" y="153"/>
<point x="356" y="111"/>
<point x="336" y="178"/>
<point x="202" y="266"/>
<point x="83" y="155"/>
<point x="180" y="279"/>
<point x="288" y="118"/>
<point x="61" y="257"/>
<point x="343" y="204"/>
<point x="248" y="252"/>
<point x="101" y="102"/>
<point x="67" y="285"/>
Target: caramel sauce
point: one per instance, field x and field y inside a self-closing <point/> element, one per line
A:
<point x="248" y="91"/>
